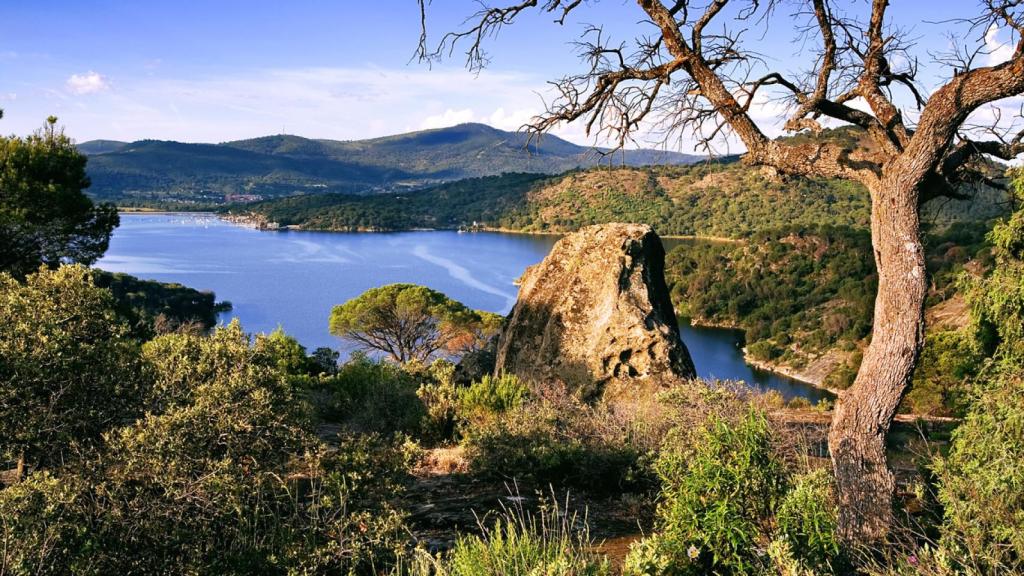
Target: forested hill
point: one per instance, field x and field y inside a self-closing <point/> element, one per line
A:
<point x="174" y="173"/>
<point x="707" y="199"/>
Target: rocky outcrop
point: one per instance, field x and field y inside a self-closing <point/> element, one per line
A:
<point x="596" y="315"/>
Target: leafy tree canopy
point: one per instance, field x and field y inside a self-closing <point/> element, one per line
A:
<point x="409" y="322"/>
<point x="45" y="218"/>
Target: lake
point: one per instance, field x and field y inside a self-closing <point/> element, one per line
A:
<point x="293" y="279"/>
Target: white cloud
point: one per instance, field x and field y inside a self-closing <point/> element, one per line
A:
<point x="998" y="51"/>
<point x="448" y="118"/>
<point x="88" y="83"/>
<point x="513" y="120"/>
<point x="500" y="118"/>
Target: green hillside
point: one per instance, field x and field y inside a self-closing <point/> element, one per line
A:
<point x="175" y="174"/>
<point x="707" y="199"/>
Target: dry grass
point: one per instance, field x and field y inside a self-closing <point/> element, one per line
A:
<point x="442" y="462"/>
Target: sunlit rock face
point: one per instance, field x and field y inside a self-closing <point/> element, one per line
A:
<point x="596" y="316"/>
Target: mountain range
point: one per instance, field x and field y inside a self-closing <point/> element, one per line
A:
<point x="157" y="172"/>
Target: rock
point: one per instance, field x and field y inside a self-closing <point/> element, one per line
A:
<point x="596" y="314"/>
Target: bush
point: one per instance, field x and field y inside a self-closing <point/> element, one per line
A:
<point x="371" y="396"/>
<point x="726" y="508"/>
<point x="490" y="397"/>
<point x="225" y="477"/>
<point x="806" y="521"/>
<point x="42" y="525"/>
<point x="718" y="495"/>
<point x="69" y="368"/>
<point x="440" y="398"/>
<point x="763" y="350"/>
<point x="942" y="379"/>
<point x="555" y="438"/>
<point x="980" y="481"/>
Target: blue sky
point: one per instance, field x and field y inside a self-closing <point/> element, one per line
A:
<point x="217" y="70"/>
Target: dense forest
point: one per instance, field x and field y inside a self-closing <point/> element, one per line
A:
<point x="805" y="293"/>
<point x="708" y="199"/>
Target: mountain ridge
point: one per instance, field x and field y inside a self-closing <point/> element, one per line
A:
<point x="274" y="166"/>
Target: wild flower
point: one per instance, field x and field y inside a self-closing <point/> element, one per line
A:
<point x="693" y="552"/>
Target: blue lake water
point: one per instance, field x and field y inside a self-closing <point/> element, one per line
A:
<point x="293" y="279"/>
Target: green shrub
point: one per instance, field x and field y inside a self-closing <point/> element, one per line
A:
<point x="372" y="396"/>
<point x="941" y="381"/>
<point x="842" y="376"/>
<point x="798" y="403"/>
<point x="718" y="495"/>
<point x="440" y="398"/>
<point x="981" y="482"/>
<point x="490" y="397"/>
<point x="726" y="506"/>
<point x="763" y="350"/>
<point x="42" y="525"/>
<point x="69" y="368"/>
<point x="806" y="520"/>
<point x="223" y="476"/>
<point x="559" y="440"/>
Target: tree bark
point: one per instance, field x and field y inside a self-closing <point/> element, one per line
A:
<point x="865" y="484"/>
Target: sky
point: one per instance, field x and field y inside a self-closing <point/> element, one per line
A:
<point x="219" y="70"/>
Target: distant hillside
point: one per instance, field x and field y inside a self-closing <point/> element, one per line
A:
<point x="707" y="199"/>
<point x="100" y="146"/>
<point x="174" y="173"/>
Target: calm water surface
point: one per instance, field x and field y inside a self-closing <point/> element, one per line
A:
<point x="292" y="279"/>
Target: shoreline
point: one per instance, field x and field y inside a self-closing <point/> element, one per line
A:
<point x="788" y="372"/>
<point x="778" y="369"/>
<point x="261" y="223"/>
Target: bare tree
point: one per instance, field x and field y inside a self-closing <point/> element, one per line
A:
<point x="693" y="74"/>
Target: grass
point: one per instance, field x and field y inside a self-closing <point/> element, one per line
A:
<point x="552" y="542"/>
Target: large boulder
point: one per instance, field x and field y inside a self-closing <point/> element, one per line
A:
<point x="596" y="315"/>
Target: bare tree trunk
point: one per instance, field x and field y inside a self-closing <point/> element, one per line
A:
<point x="865" y="485"/>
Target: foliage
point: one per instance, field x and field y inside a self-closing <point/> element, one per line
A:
<point x="221" y="476"/>
<point x="156" y="307"/>
<point x="491" y="396"/>
<point x="553" y="437"/>
<point x="550" y="542"/>
<point x="806" y="521"/>
<point x="45" y="218"/>
<point x="440" y="397"/>
<point x="723" y="199"/>
<point x="717" y="500"/>
<point x="941" y="381"/>
<point x="325" y="360"/>
<point x="980" y="480"/>
<point x="69" y="370"/>
<point x="410" y="322"/>
<point x="792" y="290"/>
<point x="997" y="300"/>
<point x="370" y="396"/>
<point x="43" y="523"/>
<point x="729" y="506"/>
